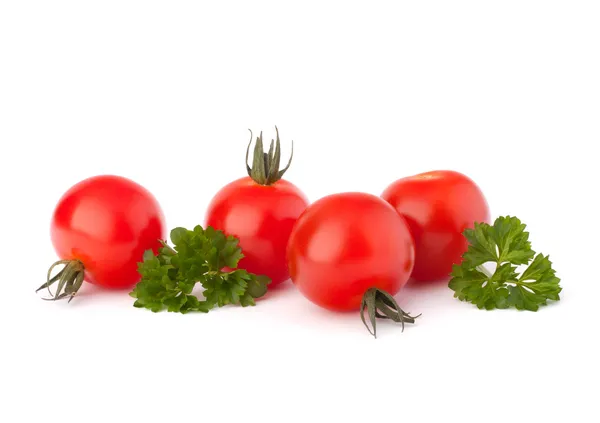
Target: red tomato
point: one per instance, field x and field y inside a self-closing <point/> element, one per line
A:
<point x="262" y="218"/>
<point x="344" y="244"/>
<point x="107" y="222"/>
<point x="438" y="206"/>
<point x="260" y="210"/>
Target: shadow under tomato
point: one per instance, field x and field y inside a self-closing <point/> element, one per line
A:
<point x="415" y="291"/>
<point x="95" y="290"/>
<point x="419" y="285"/>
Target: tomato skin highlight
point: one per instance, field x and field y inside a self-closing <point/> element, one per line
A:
<point x="346" y="243"/>
<point x="107" y="222"/>
<point x="262" y="218"/>
<point x="438" y="206"/>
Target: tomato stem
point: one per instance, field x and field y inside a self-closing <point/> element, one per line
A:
<point x="265" y="166"/>
<point x="381" y="304"/>
<point x="70" y="278"/>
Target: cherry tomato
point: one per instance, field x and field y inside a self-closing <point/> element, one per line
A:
<point x="262" y="218"/>
<point x="103" y="225"/>
<point x="438" y="206"/>
<point x="260" y="210"/>
<point x="343" y="245"/>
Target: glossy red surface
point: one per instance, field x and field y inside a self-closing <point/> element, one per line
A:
<point x="438" y="206"/>
<point x="262" y="218"/>
<point x="107" y="222"/>
<point x="346" y="243"/>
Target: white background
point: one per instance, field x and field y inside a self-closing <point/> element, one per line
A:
<point x="164" y="93"/>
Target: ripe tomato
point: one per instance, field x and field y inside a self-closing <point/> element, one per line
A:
<point x="262" y="218"/>
<point x="438" y="206"/>
<point x="343" y="245"/>
<point x="260" y="210"/>
<point x="102" y="226"/>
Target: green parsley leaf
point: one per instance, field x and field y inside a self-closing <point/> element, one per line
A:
<point x="507" y="245"/>
<point x="197" y="255"/>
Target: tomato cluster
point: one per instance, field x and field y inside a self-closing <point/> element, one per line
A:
<point x="343" y="252"/>
<point x="345" y="244"/>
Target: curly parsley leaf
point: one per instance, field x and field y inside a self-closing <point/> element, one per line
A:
<point x="197" y="255"/>
<point x="507" y="245"/>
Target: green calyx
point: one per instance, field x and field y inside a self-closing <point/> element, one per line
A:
<point x="69" y="280"/>
<point x="265" y="166"/>
<point x="382" y="305"/>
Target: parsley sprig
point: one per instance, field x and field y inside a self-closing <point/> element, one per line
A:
<point x="505" y="244"/>
<point x="198" y="255"/>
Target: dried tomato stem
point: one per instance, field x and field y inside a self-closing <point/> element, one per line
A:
<point x="70" y="278"/>
<point x="380" y="304"/>
<point x="265" y="166"/>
